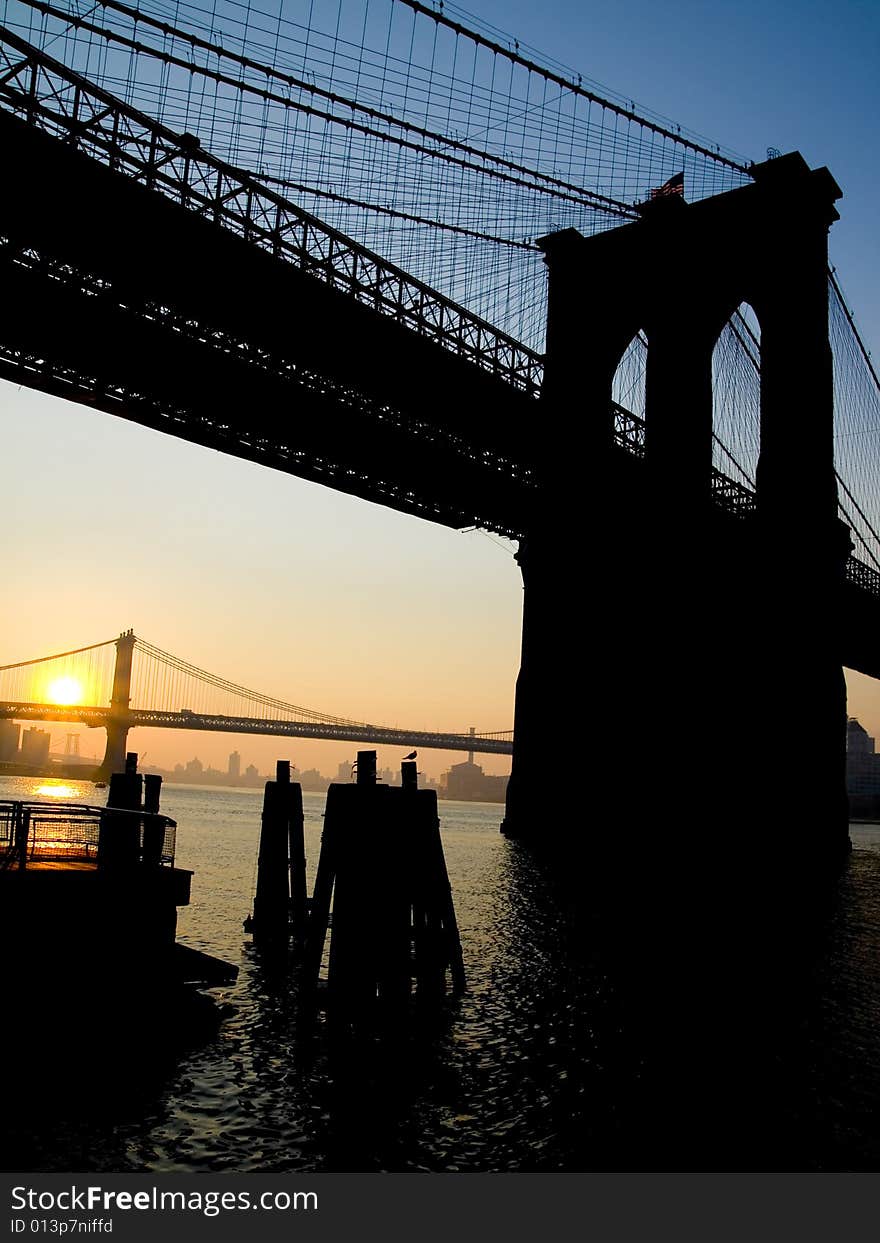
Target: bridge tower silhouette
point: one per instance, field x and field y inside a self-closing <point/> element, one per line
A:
<point x="120" y="701"/>
<point x="686" y="629"/>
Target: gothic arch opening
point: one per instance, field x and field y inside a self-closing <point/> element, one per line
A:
<point x="628" y="395"/>
<point x="736" y="404"/>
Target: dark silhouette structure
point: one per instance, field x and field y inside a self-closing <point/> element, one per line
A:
<point x="118" y="717"/>
<point x="699" y="624"/>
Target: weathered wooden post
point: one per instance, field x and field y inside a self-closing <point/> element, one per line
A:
<point x="272" y="898"/>
<point x="366" y="768"/>
<point x="119" y="836"/>
<point x="297" y="863"/>
<point x="319" y="911"/>
<point x="351" y="979"/>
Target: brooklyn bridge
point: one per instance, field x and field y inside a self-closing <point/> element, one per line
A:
<point x="410" y="263"/>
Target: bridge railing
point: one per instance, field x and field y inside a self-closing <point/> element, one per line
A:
<point x="59" y="101"/>
<point x="864" y="576"/>
<point x="34" y="832"/>
<point x="736" y="498"/>
<point x="628" y="430"/>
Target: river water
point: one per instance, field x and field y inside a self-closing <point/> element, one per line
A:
<point x="539" y="1066"/>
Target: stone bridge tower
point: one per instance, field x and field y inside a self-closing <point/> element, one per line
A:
<point x="692" y="655"/>
<point x="117" y="724"/>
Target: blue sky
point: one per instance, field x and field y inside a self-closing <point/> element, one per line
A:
<point x="789" y="74"/>
<point x="337" y="604"/>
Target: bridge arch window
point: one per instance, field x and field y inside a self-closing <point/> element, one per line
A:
<point x="736" y="405"/>
<point x="628" y="395"/>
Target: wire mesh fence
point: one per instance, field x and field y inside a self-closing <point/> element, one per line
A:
<point x="32" y="832"/>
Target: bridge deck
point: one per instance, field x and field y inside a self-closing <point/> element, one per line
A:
<point x="172" y="320"/>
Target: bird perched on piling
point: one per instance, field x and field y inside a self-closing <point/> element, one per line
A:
<point x="412" y="755"/>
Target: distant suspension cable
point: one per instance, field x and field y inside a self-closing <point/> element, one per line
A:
<point x="233" y="688"/>
<point x="39" y="660"/>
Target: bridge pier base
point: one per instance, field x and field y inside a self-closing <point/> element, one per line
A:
<point x="704" y="718"/>
<point x="115" y="750"/>
<point x="117" y="724"/>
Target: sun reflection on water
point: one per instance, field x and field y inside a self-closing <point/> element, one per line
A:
<point x="57" y="790"/>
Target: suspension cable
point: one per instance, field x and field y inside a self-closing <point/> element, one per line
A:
<point x="39" y="660"/>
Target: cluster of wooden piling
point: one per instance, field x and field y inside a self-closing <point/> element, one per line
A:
<point x="381" y="891"/>
<point x="123" y="841"/>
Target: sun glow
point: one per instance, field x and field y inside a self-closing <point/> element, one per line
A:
<point x="65" y="691"/>
<point x="57" y="791"/>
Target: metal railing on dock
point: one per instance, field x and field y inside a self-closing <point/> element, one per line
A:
<point x="70" y="833"/>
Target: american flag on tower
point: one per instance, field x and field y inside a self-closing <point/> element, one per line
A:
<point x="675" y="185"/>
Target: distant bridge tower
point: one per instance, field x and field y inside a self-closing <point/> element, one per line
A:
<point x="694" y="655"/>
<point x="118" y="723"/>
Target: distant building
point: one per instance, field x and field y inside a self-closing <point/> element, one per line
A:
<point x="468" y="783"/>
<point x="311" y="779"/>
<point x="35" y="747"/>
<point x="251" y="773"/>
<point x="234" y="768"/>
<point x="862" y="764"/>
<point x="858" y="740"/>
<point x="343" y="772"/>
<point x="194" y="767"/>
<point x="9" y="735"/>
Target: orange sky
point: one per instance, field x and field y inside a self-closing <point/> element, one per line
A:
<point x="280" y="585"/>
<point x="276" y="584"/>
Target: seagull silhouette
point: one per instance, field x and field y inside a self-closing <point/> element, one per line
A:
<point x="412" y="755"/>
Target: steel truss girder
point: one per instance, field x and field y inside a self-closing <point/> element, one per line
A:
<point x="471" y="472"/>
<point x="55" y="99"/>
<point x="97" y="718"/>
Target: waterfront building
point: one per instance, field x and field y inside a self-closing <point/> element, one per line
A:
<point x="9" y="736"/>
<point x="234" y="768"/>
<point x="311" y="779"/>
<point x="862" y="772"/>
<point x="468" y="783"/>
<point x="35" y="747"/>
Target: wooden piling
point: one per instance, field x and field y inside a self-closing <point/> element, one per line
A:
<point x="272" y="897"/>
<point x="382" y="868"/>
<point x="296" y="862"/>
<point x="325" y="878"/>
<point x="440" y="890"/>
<point x="119" y="843"/>
<point x="366" y="768"/>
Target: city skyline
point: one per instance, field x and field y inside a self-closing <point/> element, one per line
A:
<point x="213" y="751"/>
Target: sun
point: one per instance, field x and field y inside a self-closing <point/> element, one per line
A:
<point x="65" y="691"/>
